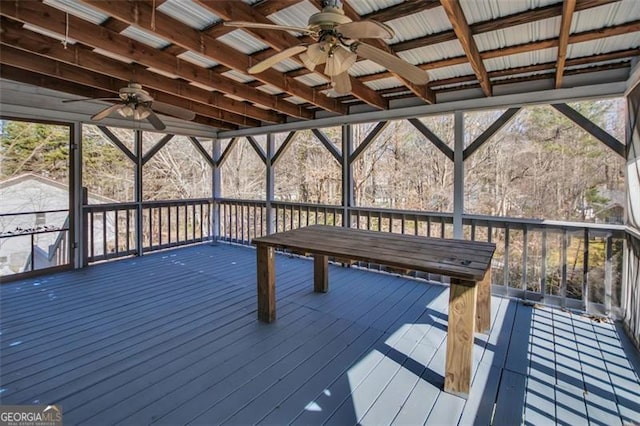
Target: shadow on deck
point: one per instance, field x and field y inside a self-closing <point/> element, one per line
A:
<point x="172" y="338"/>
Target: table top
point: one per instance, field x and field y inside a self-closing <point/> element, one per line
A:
<point x="466" y="260"/>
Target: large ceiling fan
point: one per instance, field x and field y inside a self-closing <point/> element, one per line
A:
<point x="135" y="102"/>
<point x="337" y="46"/>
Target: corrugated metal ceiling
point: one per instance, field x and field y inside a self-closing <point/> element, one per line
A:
<point x="189" y="12"/>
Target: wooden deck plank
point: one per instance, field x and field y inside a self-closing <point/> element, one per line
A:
<point x="206" y="337"/>
<point x="517" y="355"/>
<point x="511" y="399"/>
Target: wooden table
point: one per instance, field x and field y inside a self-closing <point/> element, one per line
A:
<point x="467" y="263"/>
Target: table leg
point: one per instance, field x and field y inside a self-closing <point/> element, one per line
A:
<point x="320" y="273"/>
<point x="483" y="306"/>
<point x="266" y="284"/>
<point x="461" y="326"/>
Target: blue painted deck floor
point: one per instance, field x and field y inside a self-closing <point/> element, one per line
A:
<point x="172" y="338"/>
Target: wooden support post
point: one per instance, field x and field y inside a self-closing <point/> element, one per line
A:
<point x="320" y="273"/>
<point x="270" y="185"/>
<point x="483" y="304"/>
<point x="266" y="284"/>
<point x="458" y="175"/>
<point x="461" y="325"/>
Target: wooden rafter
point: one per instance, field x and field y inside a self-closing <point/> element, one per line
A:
<point x="568" y="7"/>
<point x="72" y="83"/>
<point x="140" y="15"/>
<point x="524" y="47"/>
<point x="465" y="36"/>
<point x="108" y="38"/>
<point x="421" y="91"/>
<point x="279" y="40"/>
<point x="84" y="59"/>
<point x="406" y="8"/>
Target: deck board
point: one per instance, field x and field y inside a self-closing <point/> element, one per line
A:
<point x="171" y="338"/>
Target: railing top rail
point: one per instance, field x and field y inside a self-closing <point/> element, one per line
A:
<point x="28" y="232"/>
<point x="109" y="206"/>
<point x="312" y="205"/>
<point x="240" y="201"/>
<point x="633" y="232"/>
<point x="153" y="203"/>
<point x="188" y="201"/>
<point x="544" y="223"/>
<point x="34" y="212"/>
<point x="402" y="212"/>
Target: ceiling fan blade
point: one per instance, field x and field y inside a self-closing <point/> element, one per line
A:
<point x="365" y="29"/>
<point x="393" y="63"/>
<point x="342" y="83"/>
<point x="272" y="60"/>
<point x="90" y="99"/>
<point x="106" y="112"/>
<point x="155" y="121"/>
<point x="178" y="112"/>
<point x="259" y="26"/>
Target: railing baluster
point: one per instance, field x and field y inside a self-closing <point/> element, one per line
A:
<point x="543" y="268"/>
<point x="104" y="234"/>
<point x="93" y="241"/>
<point x="160" y="226"/>
<point x="116" y="232"/>
<point x="525" y="255"/>
<point x="565" y="245"/>
<point x="128" y="230"/>
<point x="186" y="215"/>
<point x="473" y="230"/>
<point x="505" y="269"/>
<point x="168" y="224"/>
<point x="33" y="253"/>
<point x="585" y="271"/>
<point x="608" y="273"/>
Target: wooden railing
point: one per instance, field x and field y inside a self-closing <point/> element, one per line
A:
<point x="569" y="264"/>
<point x="631" y="290"/>
<point x="56" y="253"/>
<point x="111" y="229"/>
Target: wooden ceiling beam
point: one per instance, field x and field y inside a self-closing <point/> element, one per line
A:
<point x="280" y="40"/>
<point x="421" y="91"/>
<point x="29" y="68"/>
<point x="519" y="18"/>
<point x="140" y="15"/>
<point x="28" y="77"/>
<point x="568" y="7"/>
<point x="522" y="48"/>
<point x="13" y="36"/>
<point x="107" y="37"/>
<point x="406" y="8"/>
<point x="463" y="32"/>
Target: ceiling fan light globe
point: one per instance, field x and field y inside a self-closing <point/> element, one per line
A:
<point x="344" y="59"/>
<point x="141" y="112"/>
<point x="126" y="112"/>
<point x="308" y="62"/>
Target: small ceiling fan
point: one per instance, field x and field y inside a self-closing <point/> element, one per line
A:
<point x="135" y="102"/>
<point x="337" y="46"/>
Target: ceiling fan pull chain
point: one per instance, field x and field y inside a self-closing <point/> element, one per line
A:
<point x="66" y="31"/>
<point x="153" y="16"/>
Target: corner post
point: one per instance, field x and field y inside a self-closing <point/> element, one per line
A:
<point x="77" y="224"/>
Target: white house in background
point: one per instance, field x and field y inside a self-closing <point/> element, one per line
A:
<point x="26" y="194"/>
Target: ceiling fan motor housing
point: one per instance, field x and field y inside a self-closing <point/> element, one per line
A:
<point x="329" y="18"/>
